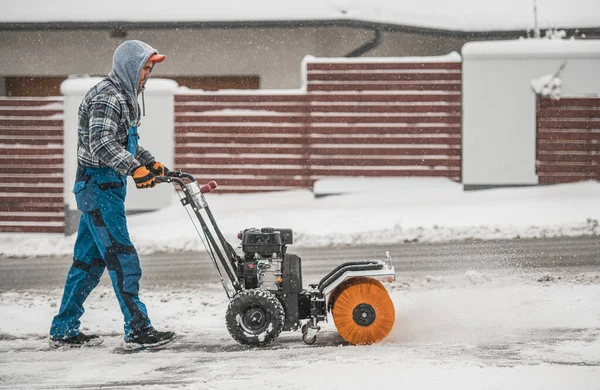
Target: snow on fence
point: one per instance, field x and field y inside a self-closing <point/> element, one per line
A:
<point x="355" y="118"/>
<point x="31" y="165"/>
<point x="568" y="140"/>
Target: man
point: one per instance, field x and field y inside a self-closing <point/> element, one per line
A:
<point x="107" y="152"/>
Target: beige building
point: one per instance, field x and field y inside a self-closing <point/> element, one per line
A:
<point x="250" y="45"/>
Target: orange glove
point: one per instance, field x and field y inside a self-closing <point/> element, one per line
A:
<point x="157" y="168"/>
<point x="143" y="177"/>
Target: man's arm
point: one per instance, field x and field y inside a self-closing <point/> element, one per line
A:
<point x="144" y="156"/>
<point x="105" y="113"/>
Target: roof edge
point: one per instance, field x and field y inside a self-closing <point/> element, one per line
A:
<point x="125" y="25"/>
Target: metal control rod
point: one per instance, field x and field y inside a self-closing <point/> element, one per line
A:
<point x="192" y="200"/>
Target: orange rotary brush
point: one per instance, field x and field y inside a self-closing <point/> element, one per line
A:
<point x="363" y="311"/>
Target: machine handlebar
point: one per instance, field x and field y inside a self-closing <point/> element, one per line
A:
<point x="179" y="177"/>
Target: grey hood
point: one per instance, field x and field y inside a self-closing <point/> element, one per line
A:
<point x="128" y="61"/>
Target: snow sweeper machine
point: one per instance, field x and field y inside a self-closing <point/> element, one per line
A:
<point x="264" y="284"/>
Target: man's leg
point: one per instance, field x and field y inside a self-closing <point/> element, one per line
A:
<point x="83" y="277"/>
<point x="123" y="264"/>
<point x="112" y="237"/>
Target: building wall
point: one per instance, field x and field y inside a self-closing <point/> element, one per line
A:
<point x="274" y="54"/>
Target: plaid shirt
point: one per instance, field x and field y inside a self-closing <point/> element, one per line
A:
<point x="105" y="115"/>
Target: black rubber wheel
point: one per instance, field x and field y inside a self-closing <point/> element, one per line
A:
<point x="308" y="341"/>
<point x="255" y="317"/>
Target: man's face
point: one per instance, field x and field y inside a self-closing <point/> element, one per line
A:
<point x="145" y="74"/>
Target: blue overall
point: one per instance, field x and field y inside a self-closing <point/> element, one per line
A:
<point x="102" y="242"/>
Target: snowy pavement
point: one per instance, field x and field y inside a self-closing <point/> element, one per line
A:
<point x="473" y="330"/>
<point x="191" y="269"/>
<point x="481" y="327"/>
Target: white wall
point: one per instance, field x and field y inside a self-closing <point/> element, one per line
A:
<point x="499" y="112"/>
<point x="156" y="134"/>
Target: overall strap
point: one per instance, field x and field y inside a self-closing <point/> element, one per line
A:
<point x="132" y="140"/>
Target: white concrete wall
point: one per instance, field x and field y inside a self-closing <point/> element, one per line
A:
<point x="499" y="112"/>
<point x="157" y="134"/>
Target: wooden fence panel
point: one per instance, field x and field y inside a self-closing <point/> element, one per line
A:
<point x="356" y="119"/>
<point x="31" y="165"/>
<point x="385" y="119"/>
<point x="389" y="76"/>
<point x="568" y="140"/>
<point x="247" y="142"/>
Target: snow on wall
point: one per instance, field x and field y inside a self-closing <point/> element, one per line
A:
<point x="450" y="57"/>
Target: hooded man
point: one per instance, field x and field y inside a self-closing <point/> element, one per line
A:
<point x="108" y="152"/>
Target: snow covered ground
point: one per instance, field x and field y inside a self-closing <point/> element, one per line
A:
<point x="472" y="331"/>
<point x="370" y="211"/>
<point x="480" y="329"/>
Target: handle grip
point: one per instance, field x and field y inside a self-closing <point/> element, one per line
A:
<point x="211" y="185"/>
<point x="177" y="176"/>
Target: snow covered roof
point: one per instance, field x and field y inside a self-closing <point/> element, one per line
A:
<point x="455" y="15"/>
<point x="539" y="48"/>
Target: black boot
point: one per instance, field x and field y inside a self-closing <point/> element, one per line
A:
<point x="148" y="338"/>
<point x="81" y="340"/>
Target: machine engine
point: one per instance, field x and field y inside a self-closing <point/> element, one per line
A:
<point x="264" y="251"/>
<point x="267" y="265"/>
